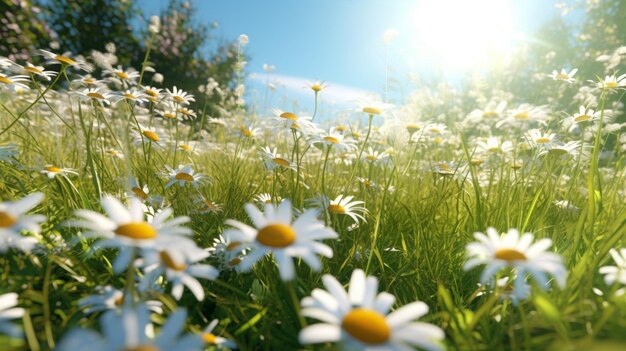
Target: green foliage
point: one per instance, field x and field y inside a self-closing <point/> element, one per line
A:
<point x="86" y="25"/>
<point x="22" y="29"/>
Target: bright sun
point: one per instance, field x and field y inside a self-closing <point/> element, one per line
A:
<point x="462" y="34"/>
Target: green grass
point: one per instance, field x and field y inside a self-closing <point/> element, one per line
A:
<point x="427" y="218"/>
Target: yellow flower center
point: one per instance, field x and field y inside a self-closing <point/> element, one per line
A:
<point x="232" y="246"/>
<point x="33" y="69"/>
<point x="170" y="263"/>
<point x="332" y="140"/>
<point x="137" y="230"/>
<point x="516" y="166"/>
<point x="367" y="326"/>
<point x="151" y="135"/>
<point x="340" y="128"/>
<point x="490" y="114"/>
<point x="412" y="127"/>
<point x="89" y="81"/>
<point x="119" y="300"/>
<point x="510" y="255"/>
<point x="184" y="176"/>
<point x="169" y="115"/>
<point x="438" y="140"/>
<point x="542" y="140"/>
<point x="185" y="147"/>
<point x="434" y="130"/>
<point x="121" y="74"/>
<point x="129" y="96"/>
<point x="7" y="220"/>
<point x="476" y="161"/>
<point x="95" y="96"/>
<point x="289" y="115"/>
<point x="367" y="183"/>
<point x="372" y="110"/>
<point x="582" y="118"/>
<point x="371" y="157"/>
<point x="185" y="111"/>
<point x="210" y="205"/>
<point x="209" y="338"/>
<point x="521" y="115"/>
<point x="562" y="76"/>
<point x="316" y="88"/>
<point x="53" y="169"/>
<point x="139" y="193"/>
<point x="444" y="166"/>
<point x="280" y="161"/>
<point x="151" y="92"/>
<point x="5" y="80"/>
<point x="336" y="208"/>
<point x="235" y="261"/>
<point x="611" y="85"/>
<point x="64" y="59"/>
<point x="178" y="98"/>
<point x="276" y="235"/>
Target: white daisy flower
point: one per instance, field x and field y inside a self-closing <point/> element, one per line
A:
<point x="584" y="115"/>
<point x="564" y="76"/>
<point x="361" y="318"/>
<point x="52" y="171"/>
<point x="13" y="221"/>
<point x="183" y="175"/>
<point x="179" y="96"/>
<point x="94" y="94"/>
<point x="341" y="205"/>
<point x="290" y="121"/>
<point x="130" y="329"/>
<point x="38" y="71"/>
<point x="228" y="253"/>
<point x="518" y="253"/>
<point x="121" y="76"/>
<point x="151" y="136"/>
<point x="277" y="233"/>
<point x="493" y="111"/>
<point x="126" y="228"/>
<point x="494" y="145"/>
<point x="272" y="159"/>
<point x="333" y="139"/>
<point x="56" y="59"/>
<point x="14" y="83"/>
<point x="375" y="156"/>
<point x="615" y="273"/>
<point x="537" y="138"/>
<point x="612" y="82"/>
<point x="526" y="113"/>
<point x="210" y="339"/>
<point x="109" y="298"/>
<point x="374" y="107"/>
<point x="180" y="267"/>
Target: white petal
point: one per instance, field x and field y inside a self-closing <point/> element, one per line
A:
<point x="319" y="333"/>
<point x="406" y="314"/>
<point x="356" y="290"/>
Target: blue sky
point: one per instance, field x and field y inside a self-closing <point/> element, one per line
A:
<point x="340" y="41"/>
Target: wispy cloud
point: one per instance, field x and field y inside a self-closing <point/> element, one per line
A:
<point x="296" y="87"/>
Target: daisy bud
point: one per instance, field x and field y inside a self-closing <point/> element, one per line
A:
<point x="157" y="78"/>
<point x="155" y="25"/>
<point x="243" y="40"/>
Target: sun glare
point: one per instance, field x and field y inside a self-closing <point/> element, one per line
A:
<point x="461" y="34"/>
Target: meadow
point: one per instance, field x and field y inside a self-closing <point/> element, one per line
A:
<point x="132" y="220"/>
